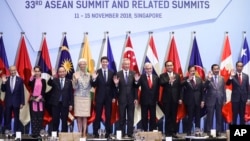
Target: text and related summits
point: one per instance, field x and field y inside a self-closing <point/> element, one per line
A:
<point x="125" y="5"/>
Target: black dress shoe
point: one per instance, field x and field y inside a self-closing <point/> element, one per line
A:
<point x="174" y="135"/>
<point x="218" y="134"/>
<point x="188" y="134"/>
<point x="106" y="135"/>
<point x="96" y="136"/>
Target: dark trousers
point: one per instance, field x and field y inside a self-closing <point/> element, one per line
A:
<point x="129" y="109"/>
<point x="98" y="109"/>
<point x="239" y="109"/>
<point x="8" y="114"/>
<point x="145" y="111"/>
<point x="170" y="112"/>
<point x="193" y="113"/>
<point x="60" y="112"/>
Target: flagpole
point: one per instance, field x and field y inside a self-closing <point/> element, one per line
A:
<point x="244" y="34"/>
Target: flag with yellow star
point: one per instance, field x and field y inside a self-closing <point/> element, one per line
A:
<point x="65" y="59"/>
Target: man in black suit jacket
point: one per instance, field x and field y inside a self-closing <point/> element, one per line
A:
<point x="61" y="99"/>
<point x="13" y="87"/>
<point x="102" y="80"/>
<point x="149" y="96"/>
<point x="215" y="97"/>
<point x="193" y="91"/>
<point x="240" y="92"/>
<point x="127" y="97"/>
<point x="171" y="84"/>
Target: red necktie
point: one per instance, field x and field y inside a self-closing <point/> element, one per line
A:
<point x="149" y="81"/>
<point x="239" y="78"/>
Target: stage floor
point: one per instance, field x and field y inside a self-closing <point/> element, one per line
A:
<point x="181" y="137"/>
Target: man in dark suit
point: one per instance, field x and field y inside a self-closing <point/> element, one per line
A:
<point x="215" y="97"/>
<point x="171" y="83"/>
<point x="13" y="87"/>
<point x="240" y="92"/>
<point x="149" y="96"/>
<point x="61" y="99"/>
<point x="193" y="91"/>
<point x="127" y="97"/>
<point x="102" y="80"/>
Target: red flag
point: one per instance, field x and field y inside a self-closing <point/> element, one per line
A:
<point x="130" y="54"/>
<point x="247" y="113"/>
<point x="24" y="68"/>
<point x="225" y="68"/>
<point x="174" y="57"/>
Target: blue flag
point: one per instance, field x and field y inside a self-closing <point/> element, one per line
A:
<point x="245" y="57"/>
<point x="65" y="59"/>
<point x="110" y="56"/>
<point x="4" y="65"/>
<point x="195" y="59"/>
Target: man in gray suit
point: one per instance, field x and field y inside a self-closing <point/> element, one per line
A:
<point x="240" y="92"/>
<point x="127" y="96"/>
<point x="215" y="97"/>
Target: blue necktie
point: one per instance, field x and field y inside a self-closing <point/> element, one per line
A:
<point x="104" y="75"/>
<point x="126" y="76"/>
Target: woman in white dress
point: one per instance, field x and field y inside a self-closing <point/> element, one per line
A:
<point x="82" y="86"/>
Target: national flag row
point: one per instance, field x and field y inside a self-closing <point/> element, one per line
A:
<point x="24" y="66"/>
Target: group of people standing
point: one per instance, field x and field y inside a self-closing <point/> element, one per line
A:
<point x="67" y="95"/>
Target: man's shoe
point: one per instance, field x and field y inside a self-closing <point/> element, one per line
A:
<point x="174" y="135"/>
<point x="96" y="136"/>
<point x="188" y="134"/>
<point x="218" y="134"/>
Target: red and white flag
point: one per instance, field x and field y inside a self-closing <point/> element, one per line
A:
<point x="225" y="68"/>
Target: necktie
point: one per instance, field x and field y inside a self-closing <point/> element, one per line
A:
<point x="126" y="76"/>
<point x="104" y="75"/>
<point x="239" y="78"/>
<point x="149" y="81"/>
<point x="61" y="83"/>
<point x="12" y="83"/>
<point x="215" y="80"/>
<point x="192" y="82"/>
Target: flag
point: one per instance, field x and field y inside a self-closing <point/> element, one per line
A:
<point x="245" y="59"/>
<point x="46" y="68"/>
<point x="24" y="68"/>
<point x="4" y="65"/>
<point x="225" y="68"/>
<point x="107" y="51"/>
<point x="66" y="62"/>
<point x="65" y="59"/>
<point x="151" y="56"/>
<point x="130" y="54"/>
<point x="195" y="59"/>
<point x="174" y="57"/>
<point x="86" y="54"/>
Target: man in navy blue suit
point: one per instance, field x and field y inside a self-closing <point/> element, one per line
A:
<point x="13" y="87"/>
<point x="102" y="80"/>
<point x="61" y="99"/>
<point x="240" y="92"/>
